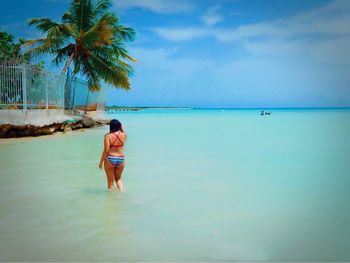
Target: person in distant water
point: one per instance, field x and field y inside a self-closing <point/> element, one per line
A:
<point x="113" y="155"/>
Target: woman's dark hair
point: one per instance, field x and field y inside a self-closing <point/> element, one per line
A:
<point x="114" y="126"/>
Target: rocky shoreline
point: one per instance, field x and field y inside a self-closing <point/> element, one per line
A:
<point x="8" y="130"/>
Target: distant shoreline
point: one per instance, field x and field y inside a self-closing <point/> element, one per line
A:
<point x="138" y="108"/>
<point x="121" y="108"/>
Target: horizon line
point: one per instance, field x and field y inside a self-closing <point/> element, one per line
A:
<point x="233" y="108"/>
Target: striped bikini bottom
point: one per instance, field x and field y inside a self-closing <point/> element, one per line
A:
<point x="115" y="160"/>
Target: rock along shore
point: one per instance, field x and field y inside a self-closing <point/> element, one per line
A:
<point x="11" y="130"/>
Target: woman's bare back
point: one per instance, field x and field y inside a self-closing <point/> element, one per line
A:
<point x="116" y="142"/>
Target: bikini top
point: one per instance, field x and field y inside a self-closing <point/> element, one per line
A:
<point x="117" y="139"/>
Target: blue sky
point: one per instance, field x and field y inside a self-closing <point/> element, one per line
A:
<point x="224" y="53"/>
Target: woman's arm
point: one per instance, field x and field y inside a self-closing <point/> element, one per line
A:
<point x="106" y="147"/>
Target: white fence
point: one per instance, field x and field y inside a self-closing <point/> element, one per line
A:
<point x="79" y="97"/>
<point x="24" y="87"/>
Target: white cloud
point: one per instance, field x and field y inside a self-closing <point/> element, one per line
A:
<point x="298" y="61"/>
<point x="332" y="19"/>
<point x="322" y="33"/>
<point x="212" y="16"/>
<point x="241" y="82"/>
<point x="151" y="59"/>
<point x="159" y="6"/>
<point x="180" y="34"/>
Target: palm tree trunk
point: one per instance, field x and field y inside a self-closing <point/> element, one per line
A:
<point x="66" y="66"/>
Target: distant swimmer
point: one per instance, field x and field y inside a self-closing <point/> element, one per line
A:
<point x="265" y="112"/>
<point x="113" y="155"/>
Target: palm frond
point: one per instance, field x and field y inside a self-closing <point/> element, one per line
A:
<point x="43" y="45"/>
<point x="82" y="14"/>
<point x="44" y="24"/>
<point x="53" y="29"/>
<point x="100" y="34"/>
<point x="125" y="33"/>
<point x="101" y="7"/>
<point x="67" y="17"/>
<point x="62" y="54"/>
<point x="120" y="51"/>
<point x="110" y="72"/>
<point x="89" y="73"/>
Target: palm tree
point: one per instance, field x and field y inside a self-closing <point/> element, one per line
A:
<point x="91" y="39"/>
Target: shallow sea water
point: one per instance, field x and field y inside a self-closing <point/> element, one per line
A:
<point x="200" y="186"/>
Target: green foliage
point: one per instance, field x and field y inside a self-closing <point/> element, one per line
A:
<point x="91" y="38"/>
<point x="9" y="50"/>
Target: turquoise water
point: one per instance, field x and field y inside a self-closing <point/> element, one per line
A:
<point x="200" y="185"/>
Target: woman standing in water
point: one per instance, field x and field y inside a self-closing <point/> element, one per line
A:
<point x="113" y="155"/>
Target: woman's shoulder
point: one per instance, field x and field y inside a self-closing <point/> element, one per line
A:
<point x="122" y="134"/>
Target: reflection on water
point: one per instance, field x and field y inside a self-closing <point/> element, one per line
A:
<point x="200" y="185"/>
